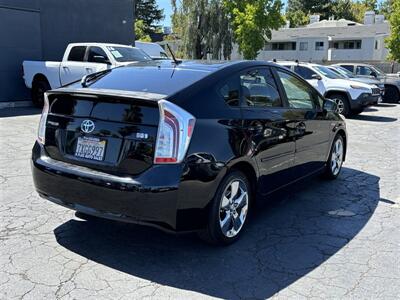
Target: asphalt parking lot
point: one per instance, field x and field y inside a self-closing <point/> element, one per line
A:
<point x="329" y="239"/>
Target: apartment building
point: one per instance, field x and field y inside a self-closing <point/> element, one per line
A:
<point x="330" y="41"/>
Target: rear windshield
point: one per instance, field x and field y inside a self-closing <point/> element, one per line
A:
<point x="163" y="80"/>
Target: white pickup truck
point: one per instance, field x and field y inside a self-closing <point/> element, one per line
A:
<point x="79" y="60"/>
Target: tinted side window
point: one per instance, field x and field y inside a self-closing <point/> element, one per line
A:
<point x="362" y="70"/>
<point x="77" y="53"/>
<point x="348" y="67"/>
<point x="230" y="90"/>
<point x="259" y="88"/>
<point x="304" y="72"/>
<point x="95" y="51"/>
<point x="299" y="94"/>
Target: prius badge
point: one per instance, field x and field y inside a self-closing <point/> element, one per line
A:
<point x="87" y="126"/>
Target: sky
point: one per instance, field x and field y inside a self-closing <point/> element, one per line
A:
<point x="166" y="5"/>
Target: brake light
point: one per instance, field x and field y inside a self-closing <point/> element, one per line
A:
<point x="174" y="133"/>
<point x="42" y="124"/>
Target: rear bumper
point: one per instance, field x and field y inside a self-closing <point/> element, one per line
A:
<point x="150" y="199"/>
<point x="364" y="100"/>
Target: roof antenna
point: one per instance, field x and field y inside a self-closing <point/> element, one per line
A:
<point x="176" y="61"/>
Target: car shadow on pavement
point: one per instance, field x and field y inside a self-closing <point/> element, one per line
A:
<point x="286" y="240"/>
<point x="386" y="105"/>
<point x="373" y="118"/>
<point x="19" y="111"/>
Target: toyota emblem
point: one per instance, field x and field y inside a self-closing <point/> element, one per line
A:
<point x="87" y="126"/>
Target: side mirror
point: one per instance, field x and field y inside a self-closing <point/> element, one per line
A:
<point x="100" y="59"/>
<point x="330" y="106"/>
<point x="316" y="76"/>
<point x="373" y="74"/>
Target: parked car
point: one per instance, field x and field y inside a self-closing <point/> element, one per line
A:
<point x="391" y="82"/>
<point x="351" y="96"/>
<point x="184" y="148"/>
<point x="154" y="50"/>
<point x="78" y="60"/>
<point x="346" y="74"/>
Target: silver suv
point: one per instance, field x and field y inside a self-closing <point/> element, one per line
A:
<point x="392" y="83"/>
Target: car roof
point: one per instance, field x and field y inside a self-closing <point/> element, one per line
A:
<point x="101" y="44"/>
<point x="353" y="64"/>
<point x="294" y="63"/>
<point x="202" y="65"/>
<point x="168" y="78"/>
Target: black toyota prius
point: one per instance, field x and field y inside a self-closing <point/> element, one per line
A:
<point x="184" y="147"/>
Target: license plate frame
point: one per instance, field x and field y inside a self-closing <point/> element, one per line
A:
<point x="90" y="148"/>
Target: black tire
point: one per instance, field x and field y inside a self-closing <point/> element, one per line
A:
<point x="343" y="104"/>
<point x="213" y="234"/>
<point x="329" y="173"/>
<point x="391" y="94"/>
<point x="357" y="111"/>
<point x="39" y="87"/>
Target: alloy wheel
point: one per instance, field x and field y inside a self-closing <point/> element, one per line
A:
<point x="233" y="208"/>
<point x="340" y="105"/>
<point x="337" y="157"/>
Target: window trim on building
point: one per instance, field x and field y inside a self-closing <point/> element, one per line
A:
<point x="303" y="46"/>
<point x="319" y="46"/>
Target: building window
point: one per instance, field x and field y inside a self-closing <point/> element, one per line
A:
<point x="319" y="46"/>
<point x="303" y="46"/>
<point x="283" y="46"/>
<point x="351" y="44"/>
<point x="376" y="45"/>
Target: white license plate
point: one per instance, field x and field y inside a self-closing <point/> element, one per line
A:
<point x="90" y="148"/>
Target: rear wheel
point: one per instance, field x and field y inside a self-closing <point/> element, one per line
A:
<point x="39" y="87"/>
<point x="342" y="103"/>
<point x="391" y="94"/>
<point x="336" y="156"/>
<point x="229" y="210"/>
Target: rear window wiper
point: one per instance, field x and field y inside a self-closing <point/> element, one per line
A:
<point x="93" y="77"/>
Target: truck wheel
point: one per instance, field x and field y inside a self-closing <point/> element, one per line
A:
<point x="39" y="87"/>
<point x="229" y="210"/>
<point x="391" y="94"/>
<point x="342" y="104"/>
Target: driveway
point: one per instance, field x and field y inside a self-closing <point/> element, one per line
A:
<point x="329" y="239"/>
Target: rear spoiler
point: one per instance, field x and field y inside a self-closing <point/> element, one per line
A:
<point x="108" y="92"/>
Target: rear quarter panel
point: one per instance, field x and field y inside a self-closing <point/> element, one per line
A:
<point x="215" y="145"/>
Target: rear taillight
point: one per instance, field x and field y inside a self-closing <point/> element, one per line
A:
<point x="174" y="133"/>
<point x="42" y="124"/>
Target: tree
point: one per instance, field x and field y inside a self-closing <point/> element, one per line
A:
<point x="343" y="9"/>
<point x="203" y="27"/>
<point x="309" y="7"/>
<point x="385" y="8"/>
<point x="252" y="22"/>
<point x="297" y="18"/>
<point x="370" y="4"/>
<point x="393" y="42"/>
<point x="148" y="12"/>
<point x="140" y="32"/>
